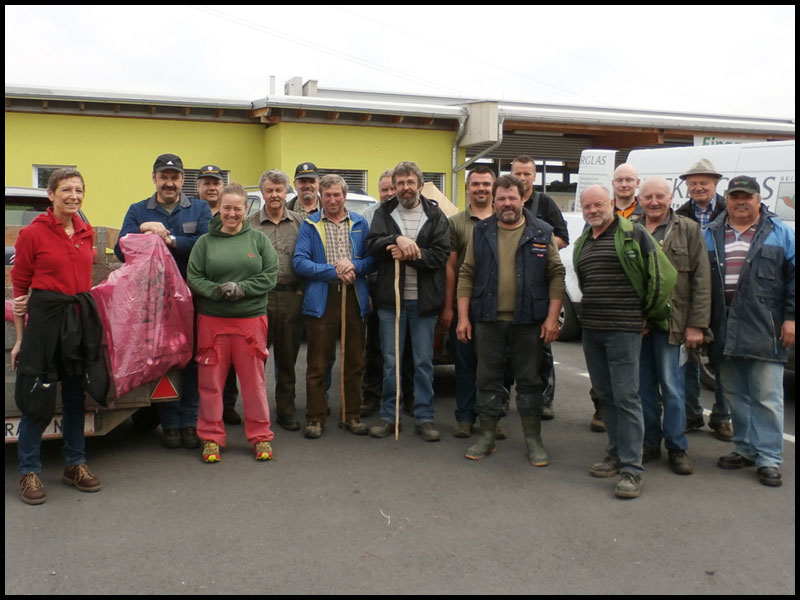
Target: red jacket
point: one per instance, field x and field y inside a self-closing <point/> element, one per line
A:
<point x="46" y="259"/>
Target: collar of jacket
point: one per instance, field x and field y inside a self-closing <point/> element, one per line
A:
<point x="184" y="202"/>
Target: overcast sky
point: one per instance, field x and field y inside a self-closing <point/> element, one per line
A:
<point x="736" y="60"/>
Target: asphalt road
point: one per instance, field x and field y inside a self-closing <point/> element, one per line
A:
<point x="352" y="515"/>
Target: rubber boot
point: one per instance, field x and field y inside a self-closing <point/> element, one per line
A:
<point x="532" y="430"/>
<point x="485" y="444"/>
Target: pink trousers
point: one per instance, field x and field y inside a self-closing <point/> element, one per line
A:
<point x="243" y="342"/>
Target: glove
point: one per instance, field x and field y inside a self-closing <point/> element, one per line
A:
<point x="231" y="291"/>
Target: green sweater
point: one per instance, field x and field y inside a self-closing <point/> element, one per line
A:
<point x="247" y="258"/>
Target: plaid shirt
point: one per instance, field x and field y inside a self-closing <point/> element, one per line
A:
<point x="703" y="216"/>
<point x="337" y="240"/>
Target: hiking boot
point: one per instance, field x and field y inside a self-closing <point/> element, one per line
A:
<point x="722" y="431"/>
<point x="500" y="432"/>
<point x="356" y="427"/>
<point x="313" y="430"/>
<point x="189" y="438"/>
<point x="532" y="430"/>
<point x="608" y="468"/>
<point x="230" y="416"/>
<point x="428" y="432"/>
<point x="547" y="413"/>
<point x="679" y="462"/>
<point x="485" y="444"/>
<point x="651" y="453"/>
<point x="597" y="424"/>
<point x="171" y="438"/>
<point x="463" y="429"/>
<point x="289" y="423"/>
<point x="770" y="476"/>
<point x="31" y="490"/>
<point x="628" y="486"/>
<point x="383" y="429"/>
<point x="368" y="409"/>
<point x="694" y="422"/>
<point x="211" y="453"/>
<point x="82" y="478"/>
<point x="734" y="461"/>
<point x="262" y="450"/>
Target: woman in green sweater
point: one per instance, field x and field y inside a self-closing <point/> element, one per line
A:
<point x="231" y="270"/>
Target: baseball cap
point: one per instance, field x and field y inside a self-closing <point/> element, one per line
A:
<point x="168" y="161"/>
<point x="743" y="183"/>
<point x="306" y="169"/>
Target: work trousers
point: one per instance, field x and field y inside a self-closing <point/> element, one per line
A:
<point x="285" y="327"/>
<point x="243" y="343"/>
<point x="323" y="332"/>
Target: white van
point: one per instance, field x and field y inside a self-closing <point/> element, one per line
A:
<point x="771" y="163"/>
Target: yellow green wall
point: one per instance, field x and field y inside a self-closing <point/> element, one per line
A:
<point x="115" y="155"/>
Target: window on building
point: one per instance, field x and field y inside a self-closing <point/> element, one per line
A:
<point x="41" y="173"/>
<point x="436" y="179"/>
<point x="356" y="180"/>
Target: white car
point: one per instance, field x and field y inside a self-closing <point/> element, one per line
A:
<point x="356" y="201"/>
<point x="568" y="320"/>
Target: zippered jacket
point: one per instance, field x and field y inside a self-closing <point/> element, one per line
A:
<point x="764" y="296"/>
<point x="647" y="267"/>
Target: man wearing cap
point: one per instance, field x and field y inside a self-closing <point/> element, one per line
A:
<point x="306" y="184"/>
<point x="704" y="206"/>
<point x="283" y="304"/>
<point x="209" y="189"/>
<point x="752" y="256"/>
<point x="179" y="221"/>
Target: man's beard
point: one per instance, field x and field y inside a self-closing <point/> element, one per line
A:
<point x="409" y="201"/>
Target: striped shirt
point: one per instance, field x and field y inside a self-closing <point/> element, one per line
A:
<point x="609" y="301"/>
<point x="409" y="224"/>
<point x="737" y="246"/>
<point x="337" y="240"/>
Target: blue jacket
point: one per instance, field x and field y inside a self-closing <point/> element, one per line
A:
<point x="310" y="263"/>
<point x="530" y="265"/>
<point x="187" y="222"/>
<point x="764" y="296"/>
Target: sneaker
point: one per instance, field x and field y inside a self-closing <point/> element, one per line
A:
<point x="189" y="438"/>
<point x="651" y="453"/>
<point x="230" y="416"/>
<point x="382" y="429"/>
<point x="356" y="427"/>
<point x="211" y="453"/>
<point x="31" y="490"/>
<point x="628" y="486"/>
<point x="694" y="422"/>
<point x="428" y="432"/>
<point x="597" y="424"/>
<point x="679" y="462"/>
<point x="263" y="451"/>
<point x="81" y="477"/>
<point x="171" y="439"/>
<point x="608" y="468"/>
<point x="313" y="430"/>
<point x="463" y="429"/>
<point x="722" y="431"/>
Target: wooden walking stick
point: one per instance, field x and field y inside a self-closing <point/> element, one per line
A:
<point x="341" y="350"/>
<point x="397" y="349"/>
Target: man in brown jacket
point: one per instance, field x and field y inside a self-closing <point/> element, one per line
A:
<point x="661" y="366"/>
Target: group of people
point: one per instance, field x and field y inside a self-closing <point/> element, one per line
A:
<point x="492" y="274"/>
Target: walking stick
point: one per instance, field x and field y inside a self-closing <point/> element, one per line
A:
<point x="341" y="350"/>
<point x="397" y="349"/>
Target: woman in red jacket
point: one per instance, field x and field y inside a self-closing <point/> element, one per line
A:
<point x="53" y="255"/>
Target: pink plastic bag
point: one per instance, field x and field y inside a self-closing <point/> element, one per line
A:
<point x="147" y="313"/>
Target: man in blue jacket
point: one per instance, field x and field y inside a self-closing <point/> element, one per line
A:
<point x="179" y="221"/>
<point x="752" y="317"/>
<point x="330" y="255"/>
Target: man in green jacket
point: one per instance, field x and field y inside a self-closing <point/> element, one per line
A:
<point x="626" y="280"/>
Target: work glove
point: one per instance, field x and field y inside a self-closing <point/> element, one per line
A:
<point x="231" y="291"/>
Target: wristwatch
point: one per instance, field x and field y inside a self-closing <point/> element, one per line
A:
<point x="173" y="241"/>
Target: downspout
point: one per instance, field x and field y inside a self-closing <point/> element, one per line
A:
<point x="500" y="120"/>
<point x="462" y="129"/>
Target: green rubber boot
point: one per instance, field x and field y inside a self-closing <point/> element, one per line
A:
<point x="532" y="430"/>
<point x="485" y="444"/>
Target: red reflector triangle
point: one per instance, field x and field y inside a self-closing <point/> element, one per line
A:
<point x="164" y="390"/>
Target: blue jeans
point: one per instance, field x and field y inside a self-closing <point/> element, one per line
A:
<point x="660" y="371"/>
<point x="720" y="413"/>
<point x="183" y="412"/>
<point x="30" y="435"/>
<point x="466" y="363"/>
<point x="421" y="331"/>
<point x="754" y="391"/>
<point x="612" y="358"/>
<point x="498" y="343"/>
